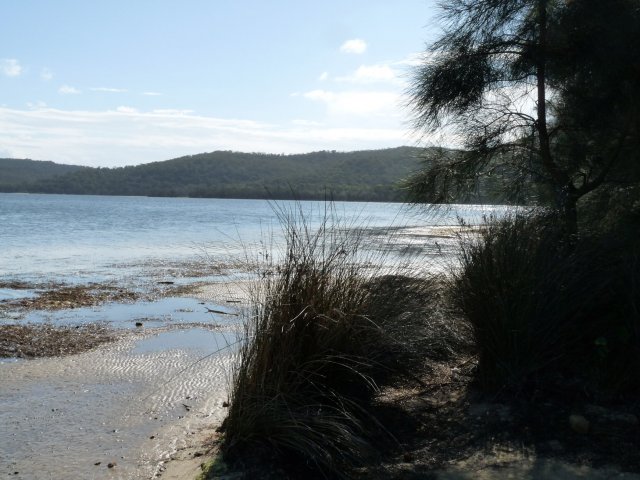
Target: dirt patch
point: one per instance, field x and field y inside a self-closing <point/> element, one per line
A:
<point x="447" y="429"/>
<point x="30" y="341"/>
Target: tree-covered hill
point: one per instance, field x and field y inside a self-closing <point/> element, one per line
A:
<point x="370" y="175"/>
<point x="16" y="174"/>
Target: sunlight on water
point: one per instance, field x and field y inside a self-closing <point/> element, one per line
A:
<point x="76" y="239"/>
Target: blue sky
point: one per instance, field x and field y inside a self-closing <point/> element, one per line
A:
<point x="111" y="83"/>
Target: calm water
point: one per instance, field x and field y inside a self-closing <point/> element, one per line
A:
<point x="116" y="403"/>
<point x="74" y="239"/>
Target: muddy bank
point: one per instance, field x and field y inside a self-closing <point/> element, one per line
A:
<point x="18" y="298"/>
<point x="22" y="297"/>
<point x="31" y="341"/>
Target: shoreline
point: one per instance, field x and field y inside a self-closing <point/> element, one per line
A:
<point x="141" y="408"/>
<point x="139" y="398"/>
<point x="115" y="404"/>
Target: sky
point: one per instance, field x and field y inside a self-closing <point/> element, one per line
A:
<point x="112" y="83"/>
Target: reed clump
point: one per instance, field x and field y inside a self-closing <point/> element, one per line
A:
<point x="308" y="366"/>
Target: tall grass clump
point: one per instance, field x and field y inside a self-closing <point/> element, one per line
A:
<point x="308" y="364"/>
<point x="547" y="306"/>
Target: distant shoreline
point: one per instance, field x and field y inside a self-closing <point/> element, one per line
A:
<point x="368" y="175"/>
<point x="266" y="198"/>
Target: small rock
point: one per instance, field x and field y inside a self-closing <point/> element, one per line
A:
<point x="97" y="463"/>
<point x="579" y="423"/>
<point x="225" y="404"/>
<point x="198" y="454"/>
<point x="138" y="324"/>
<point x="111" y="464"/>
<point x="152" y="437"/>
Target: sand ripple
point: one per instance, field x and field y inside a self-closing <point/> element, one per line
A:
<point x="59" y="417"/>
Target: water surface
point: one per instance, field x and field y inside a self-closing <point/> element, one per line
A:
<point x="84" y="238"/>
<point x="68" y="417"/>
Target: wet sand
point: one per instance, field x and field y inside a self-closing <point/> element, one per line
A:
<point x="150" y="394"/>
<point x="127" y="403"/>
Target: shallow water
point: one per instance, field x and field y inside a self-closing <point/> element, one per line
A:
<point x="61" y="416"/>
<point x="206" y="341"/>
<point x="71" y="238"/>
<point x="14" y="294"/>
<point x="83" y="238"/>
<point x="161" y="312"/>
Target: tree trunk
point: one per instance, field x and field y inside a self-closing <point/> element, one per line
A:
<point x="567" y="198"/>
<point x="567" y="204"/>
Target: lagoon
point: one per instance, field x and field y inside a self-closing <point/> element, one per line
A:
<point x="82" y="238"/>
<point x="138" y="400"/>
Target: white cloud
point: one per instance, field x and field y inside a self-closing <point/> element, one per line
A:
<point x="108" y="89"/>
<point x="46" y="74"/>
<point x="323" y="76"/>
<point x="36" y="105"/>
<point x="366" y="74"/>
<point x="355" y="45"/>
<point x="10" y="67"/>
<point x="171" y="111"/>
<point x="124" y="109"/>
<point x="306" y="123"/>
<point x="151" y="94"/>
<point x="67" y="90"/>
<point x="356" y="102"/>
<point x="115" y="138"/>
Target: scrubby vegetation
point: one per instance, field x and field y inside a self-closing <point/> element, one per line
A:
<point x="313" y="356"/>
<point x="539" y="324"/>
<point x="529" y="313"/>
<point x="546" y="307"/>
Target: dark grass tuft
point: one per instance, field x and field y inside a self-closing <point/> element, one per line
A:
<point x="312" y="356"/>
<point x="543" y="305"/>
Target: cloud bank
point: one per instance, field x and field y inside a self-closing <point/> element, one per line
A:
<point x="126" y="136"/>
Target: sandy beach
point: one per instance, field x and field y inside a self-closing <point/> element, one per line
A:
<point x="122" y="409"/>
<point x="70" y="417"/>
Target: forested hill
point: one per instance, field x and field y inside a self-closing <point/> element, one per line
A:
<point x="14" y="172"/>
<point x="370" y="175"/>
